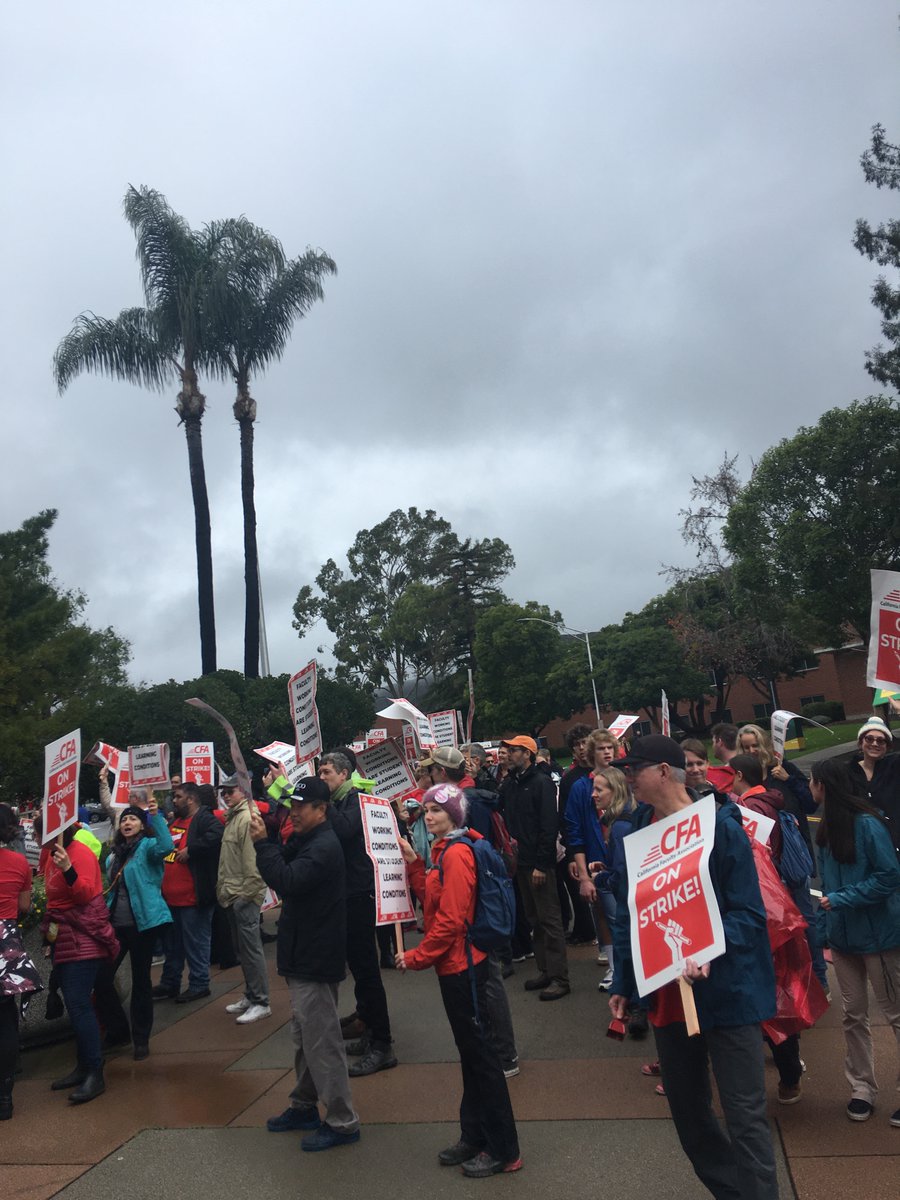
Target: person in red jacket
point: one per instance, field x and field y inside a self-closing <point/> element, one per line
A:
<point x="488" y="1142"/>
<point x="77" y="926"/>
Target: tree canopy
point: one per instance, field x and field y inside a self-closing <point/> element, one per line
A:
<point x="881" y="166"/>
<point x="515" y="654"/>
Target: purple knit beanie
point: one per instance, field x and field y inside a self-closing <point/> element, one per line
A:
<point x="451" y="799"/>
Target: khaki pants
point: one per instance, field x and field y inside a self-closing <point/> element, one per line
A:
<point x="541" y="906"/>
<point x="854" y="973"/>
<point x="320" y="1062"/>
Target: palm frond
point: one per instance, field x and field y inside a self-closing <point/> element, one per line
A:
<point x="128" y="348"/>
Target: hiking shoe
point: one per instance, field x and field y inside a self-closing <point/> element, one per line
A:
<point x="860" y="1110"/>
<point x="456" y="1155"/>
<point x="325" y="1137"/>
<point x="485" y="1164"/>
<point x="189" y="995"/>
<point x="380" y="1057"/>
<point x="255" y="1012"/>
<point x="294" y="1118"/>
<point x="895" y="1119"/>
<point x="238" y="1006"/>
<point x="161" y="992"/>
<point x="357" y="1048"/>
<point x="555" y="991"/>
<point x="538" y="983"/>
<point x="789" y="1095"/>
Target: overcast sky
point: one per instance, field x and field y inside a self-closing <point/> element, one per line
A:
<point x="584" y="249"/>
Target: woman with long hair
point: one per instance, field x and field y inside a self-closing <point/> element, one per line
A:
<point x="488" y="1142"/>
<point x="877" y="770"/>
<point x="859" y="919"/>
<point x="18" y="974"/>
<point x="137" y="911"/>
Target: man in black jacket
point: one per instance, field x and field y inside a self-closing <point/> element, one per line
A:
<point x="189" y="889"/>
<point x="529" y="806"/>
<point x="308" y="874"/>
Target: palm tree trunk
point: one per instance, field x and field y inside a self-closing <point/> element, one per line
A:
<point x="203" y="539"/>
<point x="251" y="561"/>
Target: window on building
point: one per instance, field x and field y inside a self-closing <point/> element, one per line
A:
<point x="642" y="728"/>
<point x="819" y="699"/>
<point x="763" y="711"/>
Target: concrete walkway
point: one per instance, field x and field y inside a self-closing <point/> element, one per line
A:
<point x="189" y="1121"/>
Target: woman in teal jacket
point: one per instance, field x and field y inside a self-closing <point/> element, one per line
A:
<point x="859" y="919"/>
<point x="137" y="910"/>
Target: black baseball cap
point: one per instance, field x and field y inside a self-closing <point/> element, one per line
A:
<point x="310" y="791"/>
<point x="650" y="750"/>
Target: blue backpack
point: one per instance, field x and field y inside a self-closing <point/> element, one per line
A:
<point x="495" y="902"/>
<point x="796" y="863"/>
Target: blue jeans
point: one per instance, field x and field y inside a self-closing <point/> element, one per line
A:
<point x="76" y="982"/>
<point x="188" y="938"/>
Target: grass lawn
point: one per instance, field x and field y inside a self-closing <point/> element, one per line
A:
<point x="819" y="739"/>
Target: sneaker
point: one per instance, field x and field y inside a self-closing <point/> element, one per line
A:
<point x="895" y="1119"/>
<point x="190" y="995"/>
<point x="860" y="1110"/>
<point x="555" y="991"/>
<point x="456" y="1155"/>
<point x="162" y="992"/>
<point x="603" y="959"/>
<point x="157" y="960"/>
<point x="238" y="1006"/>
<point x="294" y="1118"/>
<point x="512" y="1070"/>
<point x="606" y="982"/>
<point x="802" y="1067"/>
<point x="325" y="1137"/>
<point x="537" y="983"/>
<point x="518" y="958"/>
<point x="484" y="1164"/>
<point x="255" y="1012"/>
<point x="789" y="1095"/>
<point x="380" y="1057"/>
<point x="357" y="1048"/>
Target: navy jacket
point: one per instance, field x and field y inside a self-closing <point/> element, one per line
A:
<point x="740" y="989"/>
<point x="529" y="806"/>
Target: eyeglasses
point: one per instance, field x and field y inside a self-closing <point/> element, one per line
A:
<point x="875" y="741"/>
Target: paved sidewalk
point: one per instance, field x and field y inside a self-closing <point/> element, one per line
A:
<point x="189" y="1120"/>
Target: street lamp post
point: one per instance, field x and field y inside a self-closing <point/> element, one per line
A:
<point x="587" y="642"/>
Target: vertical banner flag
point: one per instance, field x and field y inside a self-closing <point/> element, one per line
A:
<point x="621" y="725"/>
<point x="780" y="720"/>
<point x="386" y="765"/>
<point x="149" y="765"/>
<point x="62" y="762"/>
<point x="671" y="902"/>
<point x="443" y="727"/>
<point x="198" y="762"/>
<point x="758" y="825"/>
<point x="666" y="724"/>
<point x="392" y="902"/>
<point x="470" y="718"/>
<point x="404" y="710"/>
<point x="304" y="714"/>
<point x="284" y="757"/>
<point x="884" y="632"/>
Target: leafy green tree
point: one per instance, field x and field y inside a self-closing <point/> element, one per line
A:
<point x="821" y="509"/>
<point x="515" y="657"/>
<point x="53" y="666"/>
<point x="881" y="166"/>
<point x="259" y="295"/>
<point x="407" y="610"/>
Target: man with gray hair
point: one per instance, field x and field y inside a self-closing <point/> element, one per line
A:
<point x="370" y="1021"/>
<point x="476" y="765"/>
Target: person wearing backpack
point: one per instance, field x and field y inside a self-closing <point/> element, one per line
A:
<point x="488" y="1143"/>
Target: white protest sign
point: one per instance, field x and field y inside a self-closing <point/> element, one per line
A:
<point x="283" y="756"/>
<point x="621" y="725"/>
<point x="32" y="849"/>
<point x="358" y="747"/>
<point x="386" y="765"/>
<point x="671" y="902"/>
<point x="758" y="825"/>
<point x="403" y="710"/>
<point x="392" y="901"/>
<point x="102" y="754"/>
<point x="270" y="900"/>
<point x="443" y="727"/>
<point x="149" y="765"/>
<point x="373" y="736"/>
<point x="780" y="720"/>
<point x="884" y="632"/>
<point x="62" y="761"/>
<point x="666" y="723"/>
<point x="304" y="714"/>
<point x="198" y="762"/>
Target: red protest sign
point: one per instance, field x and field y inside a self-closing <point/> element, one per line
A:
<point x="198" y="762"/>
<point x="62" y="761"/>
<point x="884" y="640"/>
<point x="671" y="902"/>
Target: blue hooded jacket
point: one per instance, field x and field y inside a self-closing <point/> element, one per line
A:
<point x="864" y="917"/>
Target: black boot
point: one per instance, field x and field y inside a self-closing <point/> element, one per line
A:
<point x="6" y="1104"/>
<point x="73" y="1079"/>
<point x="92" y="1087"/>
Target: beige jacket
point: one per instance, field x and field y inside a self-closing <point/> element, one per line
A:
<point x="238" y="877"/>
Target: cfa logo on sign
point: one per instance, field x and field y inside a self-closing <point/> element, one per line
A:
<point x="680" y="835"/>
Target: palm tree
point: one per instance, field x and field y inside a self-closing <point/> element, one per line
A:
<point x="169" y="339"/>
<point x="259" y="296"/>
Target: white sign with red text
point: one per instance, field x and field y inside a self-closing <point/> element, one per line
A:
<point x="198" y="762"/>
<point x="443" y="727"/>
<point x="410" y="749"/>
<point x="283" y="756"/>
<point x="404" y="710"/>
<point x="304" y="713"/>
<point x="102" y="754"/>
<point x="671" y="902"/>
<point x="392" y="900"/>
<point x="149" y="765"/>
<point x="758" y="825"/>
<point x="374" y="736"/>
<point x="884" y="632"/>
<point x="621" y="725"/>
<point x="62" y="762"/>
<point x="119" y="794"/>
<point x="386" y="765"/>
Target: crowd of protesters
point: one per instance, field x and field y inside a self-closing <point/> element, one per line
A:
<point x="186" y="885"/>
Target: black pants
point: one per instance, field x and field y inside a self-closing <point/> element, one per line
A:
<point x="109" y="1007"/>
<point x="486" y="1118"/>
<point x="786" y="1056"/>
<point x="9" y="1038"/>
<point x="521" y="938"/>
<point x="362" y="959"/>
<point x="582" y="925"/>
